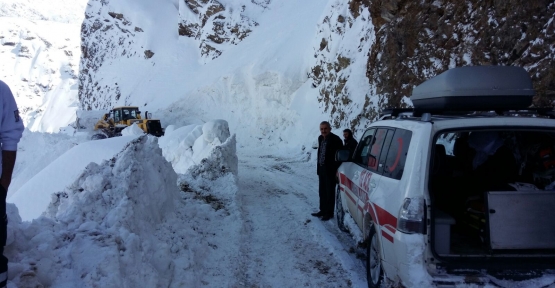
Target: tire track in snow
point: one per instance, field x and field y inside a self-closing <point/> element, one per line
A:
<point x="281" y="244"/>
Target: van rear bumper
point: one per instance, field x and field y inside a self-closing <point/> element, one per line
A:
<point x="480" y="280"/>
<point x="414" y="259"/>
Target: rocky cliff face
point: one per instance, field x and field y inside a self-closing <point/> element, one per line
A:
<point x="106" y="35"/>
<point x="415" y="40"/>
<point x="115" y="31"/>
<point x="212" y="24"/>
<point x="419" y="39"/>
<point x="368" y="55"/>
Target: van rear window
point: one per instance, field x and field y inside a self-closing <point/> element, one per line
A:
<point x="397" y="154"/>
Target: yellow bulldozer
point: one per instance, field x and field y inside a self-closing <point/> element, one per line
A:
<point x="119" y="118"/>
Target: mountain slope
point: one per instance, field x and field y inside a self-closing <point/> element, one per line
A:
<point x="253" y="84"/>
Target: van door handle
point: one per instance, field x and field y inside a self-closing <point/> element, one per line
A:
<point x="373" y="185"/>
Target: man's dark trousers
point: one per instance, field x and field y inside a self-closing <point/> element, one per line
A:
<point x="326" y="189"/>
<point x="3" y="236"/>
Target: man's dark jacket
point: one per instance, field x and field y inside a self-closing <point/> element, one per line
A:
<point x="351" y="144"/>
<point x="334" y="143"/>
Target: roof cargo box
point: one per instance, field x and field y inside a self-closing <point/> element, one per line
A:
<point x="475" y="88"/>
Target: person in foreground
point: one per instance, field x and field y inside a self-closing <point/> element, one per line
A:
<point x="328" y="144"/>
<point x="11" y="129"/>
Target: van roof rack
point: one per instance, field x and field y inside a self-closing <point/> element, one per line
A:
<point x="460" y="91"/>
<point x="402" y="113"/>
<point x="389" y="113"/>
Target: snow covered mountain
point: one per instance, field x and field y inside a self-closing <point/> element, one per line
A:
<point x="354" y="58"/>
<point x="339" y="60"/>
<point x="39" y="53"/>
<point x="273" y="70"/>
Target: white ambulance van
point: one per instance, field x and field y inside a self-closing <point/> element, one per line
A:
<point x="458" y="189"/>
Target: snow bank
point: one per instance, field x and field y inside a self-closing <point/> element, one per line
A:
<point x="61" y="173"/>
<point x="208" y="148"/>
<point x="124" y="223"/>
<point x="101" y="229"/>
<point x="37" y="150"/>
<point x="86" y="119"/>
<point x="127" y="186"/>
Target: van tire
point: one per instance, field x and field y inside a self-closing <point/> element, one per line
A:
<point x="374" y="270"/>
<point x="340" y="212"/>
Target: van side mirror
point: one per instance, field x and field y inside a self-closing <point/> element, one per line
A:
<point x="343" y="155"/>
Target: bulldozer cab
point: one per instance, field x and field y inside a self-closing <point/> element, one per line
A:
<point x="123" y="114"/>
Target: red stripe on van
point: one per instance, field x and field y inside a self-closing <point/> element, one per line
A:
<point x="387" y="236"/>
<point x="381" y="217"/>
<point x="385" y="217"/>
<point x="346" y="181"/>
<point x="393" y="230"/>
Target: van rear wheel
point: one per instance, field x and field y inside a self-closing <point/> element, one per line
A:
<point x="374" y="271"/>
<point x="340" y="212"/>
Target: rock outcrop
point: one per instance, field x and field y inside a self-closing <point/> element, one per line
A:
<point x="105" y="35"/>
<point x="415" y="40"/>
<point x="212" y="24"/>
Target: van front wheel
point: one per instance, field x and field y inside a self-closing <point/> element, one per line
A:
<point x="340" y="212"/>
<point x="374" y="272"/>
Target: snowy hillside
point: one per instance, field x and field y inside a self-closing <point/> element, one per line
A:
<point x="259" y="85"/>
<point x="224" y="198"/>
<point x="39" y="53"/>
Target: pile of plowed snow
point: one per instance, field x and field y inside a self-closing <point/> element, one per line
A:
<point x="125" y="222"/>
<point x="207" y="148"/>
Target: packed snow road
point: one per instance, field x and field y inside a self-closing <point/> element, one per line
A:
<point x="282" y="245"/>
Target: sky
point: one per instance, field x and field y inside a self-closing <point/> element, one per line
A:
<point x="222" y="200"/>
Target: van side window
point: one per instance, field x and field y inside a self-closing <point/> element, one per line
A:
<point x="363" y="148"/>
<point x="385" y="149"/>
<point x="397" y="154"/>
<point x="376" y="149"/>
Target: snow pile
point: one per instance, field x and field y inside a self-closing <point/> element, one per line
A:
<point x="86" y="119"/>
<point x="36" y="151"/>
<point x="205" y="158"/>
<point x="123" y="184"/>
<point x="61" y="172"/>
<point x="101" y="229"/>
<point x="132" y="130"/>
<point x="208" y="149"/>
<point x="124" y="223"/>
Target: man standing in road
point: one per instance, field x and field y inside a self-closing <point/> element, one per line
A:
<point x="11" y="129"/>
<point x="350" y="142"/>
<point x="328" y="144"/>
